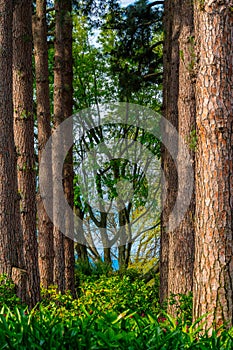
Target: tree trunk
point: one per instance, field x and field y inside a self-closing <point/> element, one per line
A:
<point x="122" y="250"/>
<point x="8" y="175"/>
<point x="171" y="58"/>
<point x="45" y="226"/>
<point x="59" y="257"/>
<point x="213" y="270"/>
<point x="68" y="166"/>
<point x="81" y="246"/>
<point x="181" y="240"/>
<point x="107" y="256"/>
<point x="82" y="253"/>
<point x="24" y="139"/>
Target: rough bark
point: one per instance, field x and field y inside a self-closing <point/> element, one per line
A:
<point x="59" y="257"/>
<point x="45" y="226"/>
<point x="68" y="165"/>
<point x="24" y="140"/>
<point x="181" y="240"/>
<point x="19" y="277"/>
<point x="7" y="150"/>
<point x="170" y="112"/>
<point x="213" y="270"/>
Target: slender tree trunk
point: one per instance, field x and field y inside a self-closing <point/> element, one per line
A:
<point x="59" y="257"/>
<point x="128" y="254"/>
<point x="213" y="270"/>
<point x="122" y="250"/>
<point x="45" y="226"/>
<point x="171" y="58"/>
<point x="68" y="166"/>
<point x="7" y="150"/>
<point x="107" y="256"/>
<point x="81" y="246"/>
<point x="24" y="139"/>
<point x="121" y="257"/>
<point x="82" y="253"/>
<point x="181" y="240"/>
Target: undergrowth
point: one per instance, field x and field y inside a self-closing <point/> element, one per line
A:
<point x="111" y="312"/>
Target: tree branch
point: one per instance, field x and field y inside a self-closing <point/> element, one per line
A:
<point x="152" y="75"/>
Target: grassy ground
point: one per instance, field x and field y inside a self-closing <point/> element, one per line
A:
<point x="114" y="312"/>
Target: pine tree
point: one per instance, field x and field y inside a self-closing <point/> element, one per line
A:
<point x="24" y="140"/>
<point x="45" y="226"/>
<point x="213" y="268"/>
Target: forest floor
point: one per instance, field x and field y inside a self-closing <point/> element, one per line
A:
<point x="111" y="312"/>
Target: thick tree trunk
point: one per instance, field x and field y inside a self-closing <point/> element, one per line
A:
<point x="8" y="174"/>
<point x="24" y="139"/>
<point x="171" y="57"/>
<point x="45" y="226"/>
<point x="213" y="270"/>
<point x="181" y="240"/>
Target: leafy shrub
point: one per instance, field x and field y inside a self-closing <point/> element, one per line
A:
<point x="118" y="293"/>
<point x="132" y="273"/>
<point x="183" y="304"/>
<point x="113" y="293"/>
<point x="7" y="292"/>
<point x="95" y="270"/>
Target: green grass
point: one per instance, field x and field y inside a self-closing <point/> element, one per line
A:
<point x="115" y="312"/>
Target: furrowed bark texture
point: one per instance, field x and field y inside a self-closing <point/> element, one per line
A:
<point x="59" y="257"/>
<point x="45" y="226"/>
<point x="24" y="140"/>
<point x="68" y="165"/>
<point x="181" y="240"/>
<point x="170" y="112"/>
<point x="7" y="150"/>
<point x="213" y="271"/>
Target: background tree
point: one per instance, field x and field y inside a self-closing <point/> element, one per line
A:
<point x="92" y="86"/>
<point x="132" y="39"/>
<point x="112" y="218"/>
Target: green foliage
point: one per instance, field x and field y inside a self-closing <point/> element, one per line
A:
<point x="192" y="140"/>
<point x="115" y="312"/>
<point x="7" y="292"/>
<point x="95" y="270"/>
<point x="183" y="307"/>
<point x="131" y="38"/>
<point x="118" y="293"/>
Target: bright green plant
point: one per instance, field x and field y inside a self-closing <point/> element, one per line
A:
<point x="113" y="312"/>
<point x="7" y="292"/>
<point x="183" y="307"/>
<point x="46" y="328"/>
